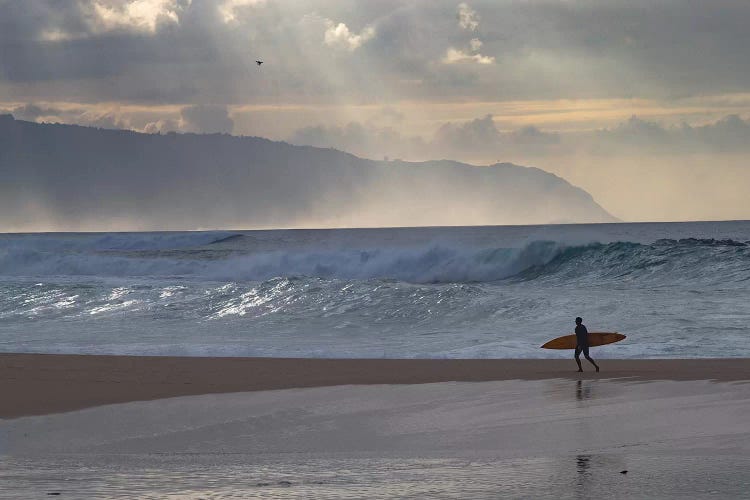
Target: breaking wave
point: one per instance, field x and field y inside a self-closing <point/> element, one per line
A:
<point x="235" y="258"/>
<point x="430" y="292"/>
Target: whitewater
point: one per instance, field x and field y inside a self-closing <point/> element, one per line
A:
<point x="677" y="290"/>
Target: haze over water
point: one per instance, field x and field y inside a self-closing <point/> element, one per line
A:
<point x="675" y="289"/>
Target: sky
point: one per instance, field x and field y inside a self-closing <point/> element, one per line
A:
<point x="643" y="103"/>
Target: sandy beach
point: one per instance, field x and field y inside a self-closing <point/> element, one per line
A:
<point x="372" y="428"/>
<point x="34" y="384"/>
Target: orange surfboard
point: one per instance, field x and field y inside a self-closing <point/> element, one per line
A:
<point x="595" y="339"/>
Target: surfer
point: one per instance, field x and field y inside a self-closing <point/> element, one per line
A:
<point x="582" y="344"/>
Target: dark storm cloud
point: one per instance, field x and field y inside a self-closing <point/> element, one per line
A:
<point x="160" y="66"/>
<point x="642" y="47"/>
<point x="541" y="49"/>
<point x="22" y="22"/>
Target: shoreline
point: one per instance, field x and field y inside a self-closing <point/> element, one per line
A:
<point x="39" y="384"/>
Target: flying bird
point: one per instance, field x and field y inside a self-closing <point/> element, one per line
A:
<point x="258" y="62"/>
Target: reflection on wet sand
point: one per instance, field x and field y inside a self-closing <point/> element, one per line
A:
<point x="584" y="389"/>
<point x="583" y="474"/>
<point x="582" y="464"/>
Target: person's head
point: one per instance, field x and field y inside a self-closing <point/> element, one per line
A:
<point x="579" y="320"/>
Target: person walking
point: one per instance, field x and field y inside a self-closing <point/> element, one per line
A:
<point x="582" y="344"/>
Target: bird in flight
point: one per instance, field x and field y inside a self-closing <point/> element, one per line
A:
<point x="258" y="62"/>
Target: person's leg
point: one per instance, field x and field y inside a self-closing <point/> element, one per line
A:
<point x="578" y="359"/>
<point x="586" y="355"/>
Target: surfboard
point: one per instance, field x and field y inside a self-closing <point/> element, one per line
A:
<point x="595" y="339"/>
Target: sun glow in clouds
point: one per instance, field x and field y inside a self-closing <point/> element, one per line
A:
<point x="137" y="15"/>
<point x="228" y="9"/>
<point x="453" y="56"/>
<point x="468" y="19"/>
<point x="339" y="36"/>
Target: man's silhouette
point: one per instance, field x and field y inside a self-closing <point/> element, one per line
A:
<point x="582" y="344"/>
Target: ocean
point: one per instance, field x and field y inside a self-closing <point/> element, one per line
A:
<point x="677" y="290"/>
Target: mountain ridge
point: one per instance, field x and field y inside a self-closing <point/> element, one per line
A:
<point x="73" y="177"/>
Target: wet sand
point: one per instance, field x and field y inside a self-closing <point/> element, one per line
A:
<point x="546" y="439"/>
<point x="37" y="384"/>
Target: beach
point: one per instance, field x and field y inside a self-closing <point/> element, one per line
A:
<point x="134" y="427"/>
<point x="34" y="384"/>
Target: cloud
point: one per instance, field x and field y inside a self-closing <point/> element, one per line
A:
<point x="207" y="119"/>
<point x="370" y="141"/>
<point x="453" y="56"/>
<point x="533" y="136"/>
<point x="100" y="118"/>
<point x="468" y="18"/>
<point x="452" y="140"/>
<point x="479" y="137"/>
<point x="729" y="134"/>
<point x="57" y="35"/>
<point x="33" y="112"/>
<point x="135" y="15"/>
<point x="338" y="36"/>
<point x="199" y="119"/>
<point x="636" y="132"/>
<point x="107" y="119"/>
<point x="388" y="113"/>
<point x="96" y="17"/>
<point x="322" y="136"/>
<point x="479" y="132"/>
<point x="162" y="126"/>
<point x="480" y="140"/>
<point x="177" y="53"/>
<point x="229" y="9"/>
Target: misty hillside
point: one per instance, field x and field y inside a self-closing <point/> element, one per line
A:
<point x="66" y="177"/>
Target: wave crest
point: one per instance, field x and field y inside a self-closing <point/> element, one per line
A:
<point x="193" y="257"/>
